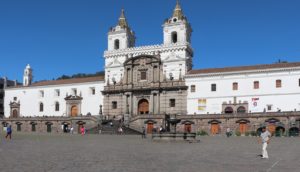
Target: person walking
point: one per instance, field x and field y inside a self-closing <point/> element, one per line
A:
<point x="121" y="130"/>
<point x="228" y="132"/>
<point x="71" y="130"/>
<point x="265" y="138"/>
<point x="82" y="130"/>
<point x="8" y="132"/>
<point x="143" y="133"/>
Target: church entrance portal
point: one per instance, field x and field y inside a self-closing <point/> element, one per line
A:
<point x="74" y="111"/>
<point x="143" y="107"/>
<point x="15" y="113"/>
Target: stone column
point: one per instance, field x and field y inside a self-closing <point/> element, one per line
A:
<point x="155" y="102"/>
<point x="151" y="104"/>
<point x="158" y="103"/>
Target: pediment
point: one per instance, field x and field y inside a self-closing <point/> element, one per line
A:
<point x="173" y="57"/>
<point x="142" y="60"/>
<point x="14" y="104"/>
<point x="115" y="63"/>
<point x="71" y="97"/>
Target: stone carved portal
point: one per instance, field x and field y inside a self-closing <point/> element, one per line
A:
<point x="14" y="109"/>
<point x="144" y="89"/>
<point x="73" y="105"/>
<point x="143" y="107"/>
<point x="15" y="113"/>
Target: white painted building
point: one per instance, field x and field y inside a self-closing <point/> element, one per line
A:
<point x="260" y="88"/>
<point x="48" y="98"/>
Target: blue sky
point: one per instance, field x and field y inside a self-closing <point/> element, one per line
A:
<point x="69" y="36"/>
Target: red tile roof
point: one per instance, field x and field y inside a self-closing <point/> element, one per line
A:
<point x="65" y="81"/>
<point x="245" y="68"/>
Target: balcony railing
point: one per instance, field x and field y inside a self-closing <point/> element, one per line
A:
<point x="145" y="85"/>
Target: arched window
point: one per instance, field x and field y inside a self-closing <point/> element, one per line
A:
<point x="41" y="107"/>
<point x="117" y="44"/>
<point x="228" y="110"/>
<point x="241" y="109"/>
<point x="174" y="37"/>
<point x="56" y="106"/>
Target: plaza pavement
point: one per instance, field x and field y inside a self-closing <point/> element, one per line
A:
<point x="113" y="153"/>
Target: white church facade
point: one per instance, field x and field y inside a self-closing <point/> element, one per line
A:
<point x="142" y="85"/>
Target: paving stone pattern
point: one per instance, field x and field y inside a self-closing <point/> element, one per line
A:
<point x="115" y="153"/>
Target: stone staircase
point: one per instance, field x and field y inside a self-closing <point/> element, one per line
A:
<point x="106" y="128"/>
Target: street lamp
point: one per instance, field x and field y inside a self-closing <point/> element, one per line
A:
<point x="171" y="76"/>
<point x="114" y="80"/>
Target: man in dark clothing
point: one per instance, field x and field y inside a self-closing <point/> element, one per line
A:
<point x="144" y="133"/>
<point x="8" y="132"/>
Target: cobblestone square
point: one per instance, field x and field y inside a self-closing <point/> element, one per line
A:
<point x="108" y="153"/>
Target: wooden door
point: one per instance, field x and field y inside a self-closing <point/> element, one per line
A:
<point x="143" y="107"/>
<point x="214" y="129"/>
<point x="243" y="128"/>
<point x="74" y="111"/>
<point x="187" y="128"/>
<point x="149" y="128"/>
<point x="272" y="128"/>
<point x="15" y="113"/>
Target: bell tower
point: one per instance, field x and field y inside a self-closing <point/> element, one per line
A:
<point x="177" y="29"/>
<point x="27" y="77"/>
<point x="121" y="36"/>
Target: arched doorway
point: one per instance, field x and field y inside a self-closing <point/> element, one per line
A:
<point x="49" y="127"/>
<point x="187" y="128"/>
<point x="243" y="127"/>
<point x="279" y="131"/>
<point x="19" y="126"/>
<point x="228" y="110"/>
<point x="241" y="109"/>
<point x="214" y="128"/>
<point x="74" y="111"/>
<point x="294" y="131"/>
<point x="33" y="126"/>
<point x="15" y="113"/>
<point x="143" y="106"/>
<point x="65" y="127"/>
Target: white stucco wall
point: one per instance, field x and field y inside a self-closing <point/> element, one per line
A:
<point x="30" y="98"/>
<point x="286" y="98"/>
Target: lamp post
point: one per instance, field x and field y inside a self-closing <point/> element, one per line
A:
<point x="114" y="80"/>
<point x="171" y="76"/>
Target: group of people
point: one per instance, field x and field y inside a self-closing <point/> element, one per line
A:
<point x="264" y="138"/>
